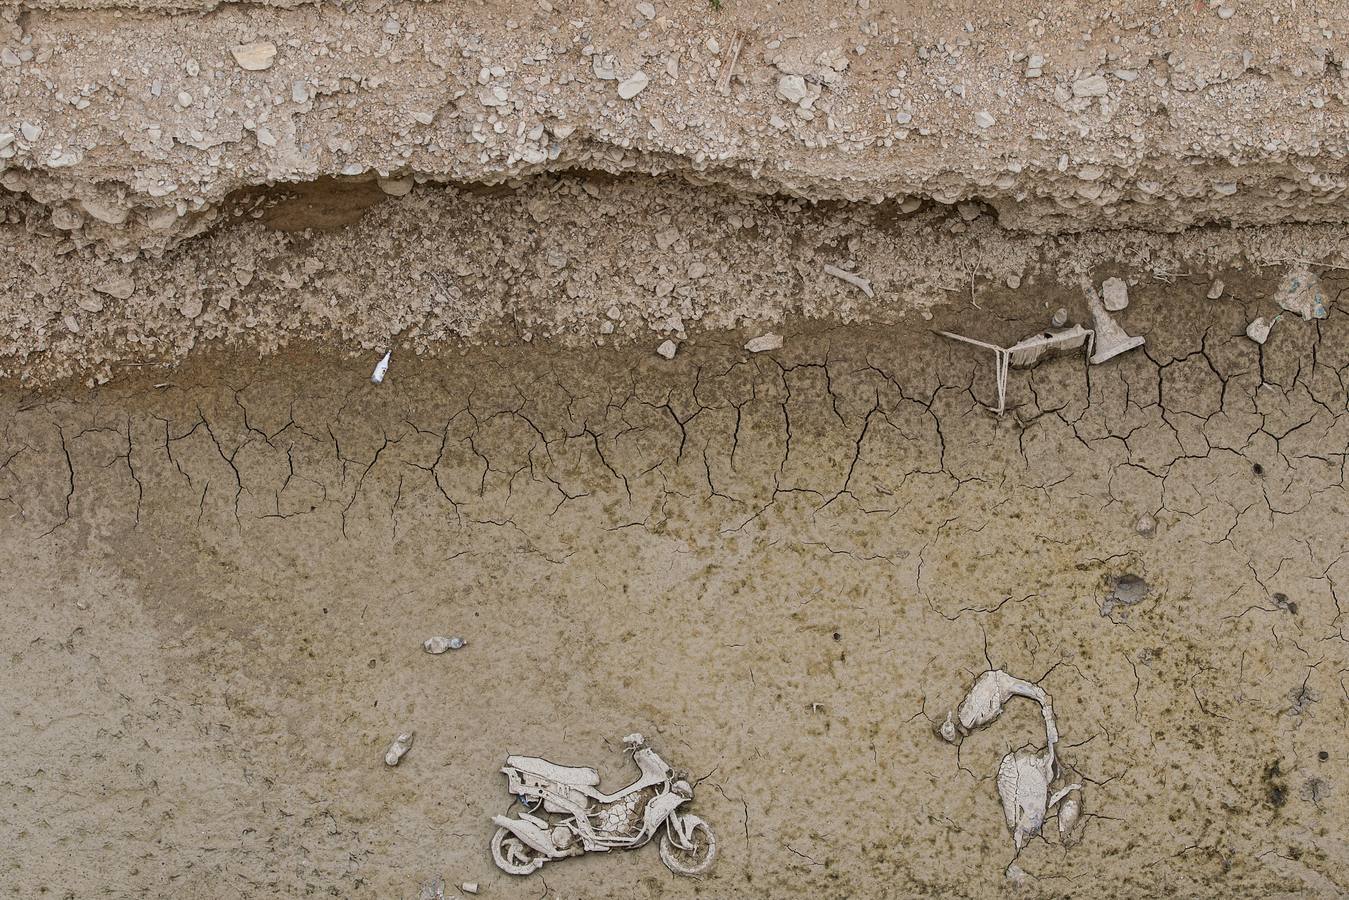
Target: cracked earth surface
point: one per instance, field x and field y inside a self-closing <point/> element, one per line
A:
<point x="783" y="569"/>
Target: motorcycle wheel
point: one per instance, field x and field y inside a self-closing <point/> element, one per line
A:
<point x="695" y="861"/>
<point x="513" y="855"/>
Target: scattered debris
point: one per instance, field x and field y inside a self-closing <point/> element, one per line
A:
<point x="381" y="368"/>
<point x="433" y="889"/>
<point x="254" y="57"/>
<point x="1146" y="525"/>
<point x="1300" y="292"/>
<point x="583" y="819"/>
<point x="1115" y="293"/>
<point x="1301" y="698"/>
<point x="1024" y="777"/>
<point x="398" y="749"/>
<point x="438" y="645"/>
<point x="855" y="280"/>
<point x="1111" y="339"/>
<point x="1216" y="289"/>
<point x="985" y="700"/>
<point x="667" y="349"/>
<point x="1025" y="353"/>
<point x="1069" y="812"/>
<point x="1125" y="590"/>
<point x="764" y="342"/>
<point x="728" y="70"/>
<point x="1258" y="330"/>
<point x="1282" y="602"/>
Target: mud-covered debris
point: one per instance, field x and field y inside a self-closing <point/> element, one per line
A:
<point x="1024" y="353"/>
<point x="433" y="889"/>
<point x="1125" y="590"/>
<point x="1216" y="289"/>
<point x="1282" y="602"/>
<point x="1258" y="330"/>
<point x="1070" y="810"/>
<point x="1111" y="339"/>
<point x="254" y="57"/>
<point x="1146" y="525"/>
<point x="1115" y="294"/>
<point x="1060" y="318"/>
<point x="1300" y="292"/>
<point x="381" y="368"/>
<point x="764" y="342"/>
<point x="852" y="278"/>
<point x="985" y="700"/>
<point x="438" y="645"/>
<point x="469" y="887"/>
<point x="668" y="349"/>
<point x="398" y="749"/>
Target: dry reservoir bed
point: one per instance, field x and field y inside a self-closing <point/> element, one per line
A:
<point x="783" y="568"/>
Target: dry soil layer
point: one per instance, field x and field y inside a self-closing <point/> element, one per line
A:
<point x="783" y="568"/>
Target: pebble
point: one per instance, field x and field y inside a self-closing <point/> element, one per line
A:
<point x="191" y="307"/>
<point x="1146" y="525"/>
<point x="1091" y="86"/>
<point x="1013" y="281"/>
<point x="667" y="349"/>
<point x="633" y="85"/>
<point x="1216" y="289"/>
<point x="792" y="88"/>
<point x="1258" y="330"/>
<point x="438" y="645"/>
<point x="254" y="57"/>
<point x="184" y="99"/>
<point x="1115" y="294"/>
<point x="119" y="286"/>
<point x="646" y="10"/>
<point x="89" y="303"/>
<point x="398" y="749"/>
<point x="396" y="187"/>
<point x="30" y="131"/>
<point x="764" y="342"/>
<point x="469" y="887"/>
<point x="984" y="119"/>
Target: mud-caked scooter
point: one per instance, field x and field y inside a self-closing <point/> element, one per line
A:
<point x="567" y="815"/>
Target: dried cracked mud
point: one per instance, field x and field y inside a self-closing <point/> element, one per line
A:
<point x="783" y="568"/>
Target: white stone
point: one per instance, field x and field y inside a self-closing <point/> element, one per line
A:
<point x="1216" y="289"/>
<point x="646" y="10"/>
<point x="30" y="131"/>
<point x="254" y="57"/>
<point x="1091" y="86"/>
<point x="119" y="286"/>
<point x="633" y="85"/>
<point x="184" y="99"/>
<point x="1115" y="294"/>
<point x="398" y="749"/>
<point x="984" y="119"/>
<point x="1258" y="330"/>
<point x="792" y="88"/>
<point x="764" y="342"/>
<point x="668" y="349"/>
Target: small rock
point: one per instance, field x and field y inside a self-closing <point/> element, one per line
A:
<point x="764" y="342"/>
<point x="438" y="645"/>
<point x="633" y="85"/>
<point x="668" y="349"/>
<point x="1013" y="282"/>
<point x="606" y="327"/>
<point x="1060" y="318"/>
<point x="254" y="57"/>
<point x="89" y="303"/>
<point x="646" y="11"/>
<point x="396" y="187"/>
<point x="119" y="286"/>
<point x="1258" y="330"/>
<point x="1091" y="86"/>
<point x="984" y="119"/>
<point x="1146" y="525"/>
<point x="30" y="131"/>
<point x="1126" y="590"/>
<point x="614" y="313"/>
<point x="1115" y="294"/>
<point x="792" y="88"/>
<point x="184" y="99"/>
<point x="469" y="887"/>
<point x="433" y="889"/>
<point x="191" y="307"/>
<point x="398" y="749"/>
<point x="1216" y="289"/>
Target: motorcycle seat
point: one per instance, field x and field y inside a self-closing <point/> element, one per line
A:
<point x="579" y="776"/>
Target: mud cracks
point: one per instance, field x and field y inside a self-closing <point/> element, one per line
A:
<point x="219" y="581"/>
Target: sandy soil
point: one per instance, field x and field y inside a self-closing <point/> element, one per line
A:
<point x="783" y="568"/>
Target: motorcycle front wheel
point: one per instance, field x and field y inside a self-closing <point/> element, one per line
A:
<point x="698" y="857"/>
<point x="513" y="855"/>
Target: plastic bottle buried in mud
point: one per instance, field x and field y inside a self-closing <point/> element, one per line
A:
<point x="381" y="368"/>
<point x="438" y="645"/>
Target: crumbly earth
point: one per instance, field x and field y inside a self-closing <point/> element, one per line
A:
<point x="783" y="568"/>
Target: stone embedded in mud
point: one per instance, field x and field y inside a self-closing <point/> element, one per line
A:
<point x="191" y="307"/>
<point x="1115" y="294"/>
<point x="764" y="342"/>
<point x="119" y="286"/>
<point x="1300" y="292"/>
<point x="1126" y="590"/>
<point x="1091" y="86"/>
<point x="633" y="85"/>
<point x="668" y="349"/>
<point x="1258" y="330"/>
<point x="396" y="187"/>
<point x="89" y="303"/>
<point x="1146" y="525"/>
<point x="792" y="88"/>
<point x="984" y="119"/>
<point x="1216" y="289"/>
<point x="254" y="57"/>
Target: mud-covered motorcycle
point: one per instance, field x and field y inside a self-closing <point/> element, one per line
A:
<point x="567" y="815"/>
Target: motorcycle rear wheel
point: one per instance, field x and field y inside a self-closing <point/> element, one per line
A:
<point x="691" y="862"/>
<point x="513" y="855"/>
